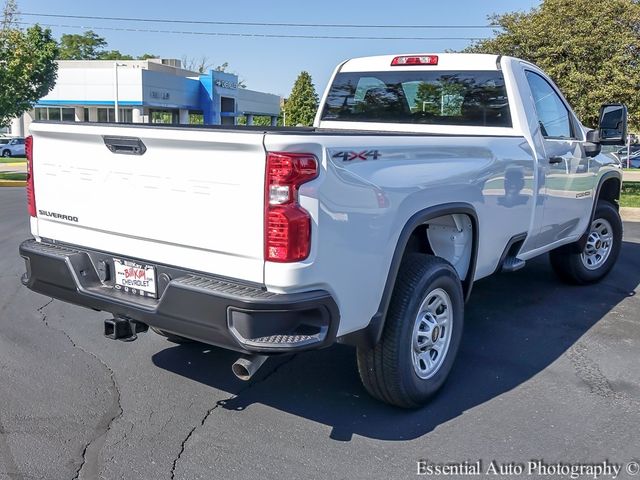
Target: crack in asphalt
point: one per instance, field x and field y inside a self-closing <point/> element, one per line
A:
<point x="221" y="403"/>
<point x="596" y="381"/>
<point x="88" y="467"/>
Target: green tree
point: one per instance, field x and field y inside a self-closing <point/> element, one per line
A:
<point x="85" y="46"/>
<point x="27" y="65"/>
<point x="443" y="98"/>
<point x="590" y="48"/>
<point x="147" y="56"/>
<point x="114" y="55"/>
<point x="300" y="108"/>
<point x="428" y="98"/>
<point x="91" y="46"/>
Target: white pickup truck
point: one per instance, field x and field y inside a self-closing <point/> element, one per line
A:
<point x="422" y="174"/>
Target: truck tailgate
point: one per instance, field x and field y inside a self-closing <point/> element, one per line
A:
<point x="194" y="199"/>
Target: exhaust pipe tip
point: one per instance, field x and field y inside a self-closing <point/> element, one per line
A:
<point x="240" y="371"/>
<point x="246" y="366"/>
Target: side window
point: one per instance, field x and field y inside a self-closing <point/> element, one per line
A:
<point x="553" y="116"/>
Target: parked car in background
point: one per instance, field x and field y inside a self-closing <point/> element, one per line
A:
<point x="634" y="162"/>
<point x="633" y="156"/>
<point x="612" y="152"/>
<point x="13" y="148"/>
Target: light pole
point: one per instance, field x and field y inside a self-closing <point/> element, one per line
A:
<point x="117" y="108"/>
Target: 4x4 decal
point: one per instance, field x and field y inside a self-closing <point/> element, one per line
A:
<point x="347" y="156"/>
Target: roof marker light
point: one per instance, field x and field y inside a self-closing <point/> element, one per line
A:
<point x="406" y="60"/>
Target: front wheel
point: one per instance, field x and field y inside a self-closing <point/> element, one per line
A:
<point x="6" y="153"/>
<point x="421" y="336"/>
<point x="599" y="255"/>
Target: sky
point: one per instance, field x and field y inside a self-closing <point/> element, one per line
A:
<point x="272" y="64"/>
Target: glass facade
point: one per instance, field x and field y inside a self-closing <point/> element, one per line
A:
<point x="196" y="117"/>
<point x="55" y="114"/>
<point x="163" y="116"/>
<point x="108" y="115"/>
<point x="68" y="114"/>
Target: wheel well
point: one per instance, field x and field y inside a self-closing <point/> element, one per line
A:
<point x="610" y="191"/>
<point x="449" y="237"/>
<point x="419" y="235"/>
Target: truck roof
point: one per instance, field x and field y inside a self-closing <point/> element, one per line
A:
<point x="446" y="61"/>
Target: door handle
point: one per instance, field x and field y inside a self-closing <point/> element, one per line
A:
<point x="553" y="160"/>
<point x="125" y="145"/>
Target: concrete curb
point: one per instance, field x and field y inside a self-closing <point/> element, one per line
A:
<point x="631" y="176"/>
<point x="12" y="183"/>
<point x="13" y="164"/>
<point x="630" y="214"/>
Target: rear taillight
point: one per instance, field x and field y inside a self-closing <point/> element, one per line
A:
<point x="287" y="226"/>
<point x="31" y="192"/>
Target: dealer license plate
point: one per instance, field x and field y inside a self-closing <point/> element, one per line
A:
<point x="134" y="278"/>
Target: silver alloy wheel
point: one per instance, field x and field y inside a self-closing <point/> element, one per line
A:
<point x="599" y="244"/>
<point x="432" y="333"/>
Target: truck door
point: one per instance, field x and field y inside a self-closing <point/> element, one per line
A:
<point x="565" y="181"/>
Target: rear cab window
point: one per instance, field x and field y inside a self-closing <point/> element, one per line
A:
<point x="473" y="98"/>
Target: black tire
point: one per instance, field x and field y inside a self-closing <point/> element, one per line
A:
<point x="6" y="153"/>
<point x="567" y="261"/>
<point x="387" y="370"/>
<point x="171" y="337"/>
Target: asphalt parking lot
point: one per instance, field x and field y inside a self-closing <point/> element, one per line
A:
<point x="546" y="371"/>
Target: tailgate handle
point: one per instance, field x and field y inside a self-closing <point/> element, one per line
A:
<point x="125" y="145"/>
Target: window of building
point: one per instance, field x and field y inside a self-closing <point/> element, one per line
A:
<point x="54" y="114"/>
<point x="41" y="114"/>
<point x="227" y="104"/>
<point x="68" y="114"/>
<point x="196" y="117"/>
<point x="103" y="115"/>
<point x="108" y="115"/>
<point x="126" y="115"/>
<point x="163" y="116"/>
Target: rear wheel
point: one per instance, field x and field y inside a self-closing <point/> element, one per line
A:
<point x="599" y="254"/>
<point x="171" y="337"/>
<point x="421" y="335"/>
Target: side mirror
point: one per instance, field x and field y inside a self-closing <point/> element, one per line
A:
<point x="613" y="124"/>
<point x="592" y="146"/>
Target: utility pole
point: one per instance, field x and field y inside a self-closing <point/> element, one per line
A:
<point x="117" y="107"/>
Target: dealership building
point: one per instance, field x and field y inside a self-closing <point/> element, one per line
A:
<point x="146" y="91"/>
